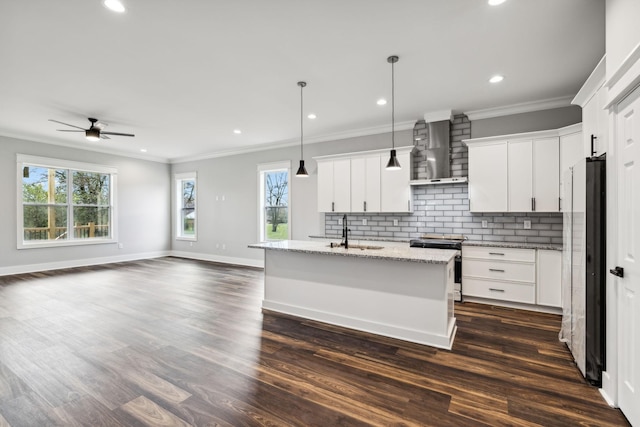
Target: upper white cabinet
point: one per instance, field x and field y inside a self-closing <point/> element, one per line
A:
<point x="365" y="183"/>
<point x="592" y="97"/>
<point x="488" y="177"/>
<point x="395" y="189"/>
<point x="515" y="173"/>
<point x="571" y="151"/>
<point x="359" y="182"/>
<point x="334" y="183"/>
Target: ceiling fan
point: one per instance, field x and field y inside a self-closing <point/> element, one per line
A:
<point x="94" y="133"/>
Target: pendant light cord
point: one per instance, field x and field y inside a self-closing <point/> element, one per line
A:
<point x="393" y="108"/>
<point x="301" y="120"/>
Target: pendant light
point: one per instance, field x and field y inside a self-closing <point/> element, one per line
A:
<point x="393" y="163"/>
<point x="302" y="171"/>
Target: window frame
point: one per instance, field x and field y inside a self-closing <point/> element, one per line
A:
<point x="262" y="169"/>
<point x="23" y="160"/>
<point x="178" y="178"/>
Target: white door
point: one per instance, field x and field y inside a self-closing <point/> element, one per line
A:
<point x="488" y="177"/>
<point x="546" y="174"/>
<point x="628" y="237"/>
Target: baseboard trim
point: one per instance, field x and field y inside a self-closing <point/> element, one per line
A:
<point x="245" y="262"/>
<point x="58" y="265"/>
<point x="517" y="305"/>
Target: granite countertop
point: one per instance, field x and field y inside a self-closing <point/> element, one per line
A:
<point x="432" y="256"/>
<point x="357" y="237"/>
<point x="516" y="245"/>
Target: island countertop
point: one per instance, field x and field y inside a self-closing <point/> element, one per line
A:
<point x="432" y="256"/>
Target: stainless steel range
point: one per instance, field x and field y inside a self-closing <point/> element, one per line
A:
<point x="444" y="241"/>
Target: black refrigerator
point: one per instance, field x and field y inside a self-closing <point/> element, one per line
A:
<point x="595" y="273"/>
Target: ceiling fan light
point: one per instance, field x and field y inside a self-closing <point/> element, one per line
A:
<point x="92" y="135"/>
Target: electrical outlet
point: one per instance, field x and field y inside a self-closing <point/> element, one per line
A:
<point x="364" y="221"/>
<point x="527" y="224"/>
<point x="217" y="245"/>
<point x="224" y="247"/>
<point x="339" y="221"/>
<point x="120" y="245"/>
<point x="485" y="224"/>
<point x="190" y="243"/>
<point x="395" y="222"/>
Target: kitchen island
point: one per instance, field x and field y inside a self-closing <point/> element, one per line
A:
<point x="399" y="292"/>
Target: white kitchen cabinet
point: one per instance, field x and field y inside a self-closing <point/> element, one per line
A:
<point x="334" y="185"/>
<point x="592" y="97"/>
<point x="571" y="151"/>
<point x="395" y="189"/>
<point x="359" y="182"/>
<point x="514" y="275"/>
<point x="488" y="177"/>
<point x="520" y="175"/>
<point x="365" y="183"/>
<point x="515" y="173"/>
<point x="506" y="274"/>
<point x="548" y="273"/>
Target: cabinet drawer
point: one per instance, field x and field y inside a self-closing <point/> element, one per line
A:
<point x="516" y="292"/>
<point x="508" y="271"/>
<point x="500" y="254"/>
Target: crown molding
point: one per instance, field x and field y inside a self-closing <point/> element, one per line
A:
<point x="295" y="142"/>
<point x="594" y="82"/>
<point x="525" y="107"/>
<point x="624" y="79"/>
<point x="438" y="116"/>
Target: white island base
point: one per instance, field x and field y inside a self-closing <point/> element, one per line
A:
<point x="408" y="300"/>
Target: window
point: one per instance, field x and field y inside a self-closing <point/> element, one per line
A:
<point x="64" y="203"/>
<point x="274" y="215"/>
<point x="186" y="206"/>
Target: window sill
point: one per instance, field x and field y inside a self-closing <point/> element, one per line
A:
<point x="57" y="244"/>
<point x="187" y="239"/>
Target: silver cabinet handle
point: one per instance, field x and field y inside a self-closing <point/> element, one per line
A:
<point x="408" y="205"/>
<point x="496" y="290"/>
<point x="333" y="205"/>
<point x="365" y="206"/>
<point x="496" y="253"/>
<point x="496" y="270"/>
<point x="533" y="204"/>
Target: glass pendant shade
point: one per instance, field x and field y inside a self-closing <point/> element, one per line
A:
<point x="92" y="134"/>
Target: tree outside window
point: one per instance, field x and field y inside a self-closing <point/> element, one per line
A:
<point x="186" y="207"/>
<point x="274" y="215"/>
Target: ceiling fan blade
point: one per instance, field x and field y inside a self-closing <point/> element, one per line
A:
<point x="66" y="124"/>
<point x="70" y="130"/>
<point x="117" y="133"/>
<point x="103" y="136"/>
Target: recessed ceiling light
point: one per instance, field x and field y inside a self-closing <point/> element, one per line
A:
<point x="496" y="79"/>
<point x="237" y="131"/>
<point x="312" y="116"/>
<point x="114" y="5"/>
<point x="381" y="101"/>
<point x="143" y="150"/>
<point x="496" y="2"/>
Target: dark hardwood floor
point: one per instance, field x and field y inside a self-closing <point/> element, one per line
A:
<point x="174" y="342"/>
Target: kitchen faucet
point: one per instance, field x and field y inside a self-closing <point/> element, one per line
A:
<point x="345" y="232"/>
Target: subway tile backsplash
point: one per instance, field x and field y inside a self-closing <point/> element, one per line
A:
<point x="444" y="209"/>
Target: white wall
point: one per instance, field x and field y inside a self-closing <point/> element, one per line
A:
<point x="526" y="122"/>
<point x="622" y="31"/>
<point x="234" y="221"/>
<point x="142" y="201"/>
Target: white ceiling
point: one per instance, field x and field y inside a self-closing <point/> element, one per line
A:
<point x="183" y="74"/>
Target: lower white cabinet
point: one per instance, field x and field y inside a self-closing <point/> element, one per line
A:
<point x="529" y="276"/>
<point x="549" y="272"/>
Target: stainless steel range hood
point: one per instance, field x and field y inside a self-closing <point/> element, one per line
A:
<point x="436" y="156"/>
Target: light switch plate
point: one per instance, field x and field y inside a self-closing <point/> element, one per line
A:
<point x="485" y="224"/>
<point x="364" y="221"/>
<point x="527" y="224"/>
<point x="395" y="222"/>
<point x="339" y="221"/>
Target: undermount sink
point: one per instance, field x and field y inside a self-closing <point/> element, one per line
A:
<point x="361" y="247"/>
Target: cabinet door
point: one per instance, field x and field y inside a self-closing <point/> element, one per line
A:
<point x="548" y="288"/>
<point x="570" y="154"/>
<point x="589" y="125"/>
<point x="546" y="175"/>
<point x="395" y="191"/>
<point x="520" y="182"/>
<point x="602" y="142"/>
<point x="325" y="186"/>
<point x="365" y="184"/>
<point x="342" y="185"/>
<point x="488" y="178"/>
